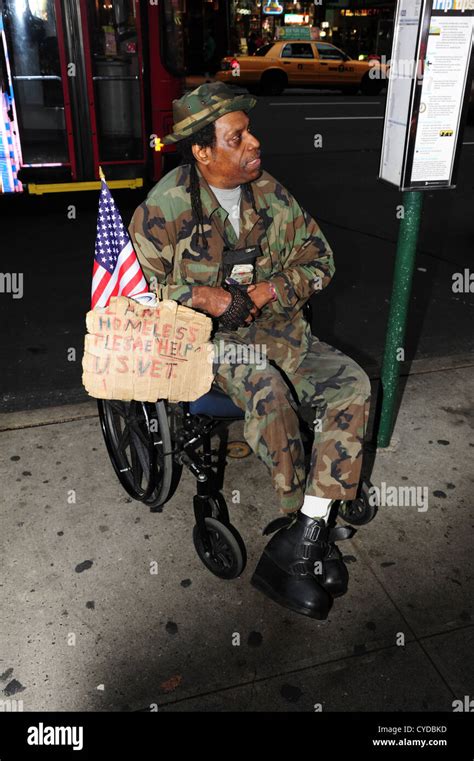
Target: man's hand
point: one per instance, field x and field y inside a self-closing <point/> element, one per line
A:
<point x="215" y="301"/>
<point x="261" y="294"/>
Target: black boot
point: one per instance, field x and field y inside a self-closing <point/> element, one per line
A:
<point x="300" y="567"/>
<point x="328" y="566"/>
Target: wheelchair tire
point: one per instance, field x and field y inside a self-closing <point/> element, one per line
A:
<point x="125" y="427"/>
<point x="359" y="511"/>
<point x="228" y="557"/>
<point x="141" y="453"/>
<point x="167" y="471"/>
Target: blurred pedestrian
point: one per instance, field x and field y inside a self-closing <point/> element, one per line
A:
<point x="251" y="46"/>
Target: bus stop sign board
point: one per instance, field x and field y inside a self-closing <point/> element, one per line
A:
<point x="429" y="83"/>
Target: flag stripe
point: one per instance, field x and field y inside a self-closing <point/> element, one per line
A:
<point x="134" y="283"/>
<point x="101" y="278"/>
<point x="114" y="286"/>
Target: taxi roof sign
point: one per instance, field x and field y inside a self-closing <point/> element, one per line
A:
<point x="298" y="32"/>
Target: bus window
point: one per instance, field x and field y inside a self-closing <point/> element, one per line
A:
<point x="172" y="36"/>
<point x="116" y="73"/>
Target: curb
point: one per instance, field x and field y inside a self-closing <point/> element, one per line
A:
<point x="11" y="421"/>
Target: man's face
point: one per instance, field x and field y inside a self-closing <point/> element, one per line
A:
<point x="235" y="157"/>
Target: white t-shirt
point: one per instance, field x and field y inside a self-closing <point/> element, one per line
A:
<point x="229" y="199"/>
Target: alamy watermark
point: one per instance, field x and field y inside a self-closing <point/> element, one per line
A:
<point x="463" y="282"/>
<point x="229" y="353"/>
<point x="50" y="735"/>
<point x="11" y="705"/>
<point x="399" y="496"/>
<point x="12" y="282"/>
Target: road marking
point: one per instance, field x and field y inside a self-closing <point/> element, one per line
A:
<point x="468" y="143"/>
<point x="332" y="118"/>
<point x="338" y="103"/>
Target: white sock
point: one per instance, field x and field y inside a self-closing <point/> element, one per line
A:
<point x="315" y="507"/>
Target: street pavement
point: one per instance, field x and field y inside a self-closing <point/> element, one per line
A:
<point x="106" y="606"/>
<point x="336" y="182"/>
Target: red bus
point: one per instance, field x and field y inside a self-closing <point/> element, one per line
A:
<point x="86" y="84"/>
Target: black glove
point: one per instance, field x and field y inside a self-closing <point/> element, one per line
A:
<point x="238" y="310"/>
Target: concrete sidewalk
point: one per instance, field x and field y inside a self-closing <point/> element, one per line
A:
<point x="88" y="627"/>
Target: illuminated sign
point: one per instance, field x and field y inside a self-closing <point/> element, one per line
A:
<point x="272" y="8"/>
<point x="362" y="12"/>
<point x="298" y="33"/>
<point x="296" y="18"/>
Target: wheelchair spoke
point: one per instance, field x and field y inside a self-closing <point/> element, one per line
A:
<point x="118" y="407"/>
<point x="124" y="440"/>
<point x="136" y="466"/>
<point x="221" y="550"/>
<point x="139" y="433"/>
<point x="142" y="455"/>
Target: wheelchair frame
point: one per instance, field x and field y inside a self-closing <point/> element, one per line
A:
<point x="151" y="471"/>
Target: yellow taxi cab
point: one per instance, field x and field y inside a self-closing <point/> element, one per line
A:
<point x="302" y="63"/>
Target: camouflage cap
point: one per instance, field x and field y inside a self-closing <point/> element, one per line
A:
<point x="202" y="106"/>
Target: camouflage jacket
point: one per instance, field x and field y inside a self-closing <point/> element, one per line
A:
<point x="295" y="255"/>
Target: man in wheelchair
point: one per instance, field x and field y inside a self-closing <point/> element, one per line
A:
<point x="222" y="236"/>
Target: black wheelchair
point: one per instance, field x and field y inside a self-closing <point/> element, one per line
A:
<point x="149" y="444"/>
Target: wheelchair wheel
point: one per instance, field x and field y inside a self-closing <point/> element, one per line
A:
<point x="138" y="441"/>
<point x="227" y="557"/>
<point x="359" y="511"/>
<point x="167" y="471"/>
<point x="125" y="426"/>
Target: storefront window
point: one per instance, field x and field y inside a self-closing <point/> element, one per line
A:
<point x="254" y="24"/>
<point x="343" y="22"/>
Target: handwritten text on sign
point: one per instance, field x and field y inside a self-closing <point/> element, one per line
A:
<point x="137" y="352"/>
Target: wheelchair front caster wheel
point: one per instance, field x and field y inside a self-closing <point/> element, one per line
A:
<point x="227" y="557"/>
<point x="361" y="510"/>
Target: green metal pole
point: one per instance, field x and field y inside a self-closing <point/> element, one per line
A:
<point x="397" y="319"/>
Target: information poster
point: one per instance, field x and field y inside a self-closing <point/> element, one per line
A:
<point x="400" y="89"/>
<point x="446" y="67"/>
<point x="428" y="88"/>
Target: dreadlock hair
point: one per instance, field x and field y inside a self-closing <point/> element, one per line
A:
<point x="205" y="138"/>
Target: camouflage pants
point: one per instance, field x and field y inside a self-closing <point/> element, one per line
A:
<point x="327" y="380"/>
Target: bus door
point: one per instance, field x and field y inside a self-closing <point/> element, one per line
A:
<point x="93" y="83"/>
<point x="113" y="59"/>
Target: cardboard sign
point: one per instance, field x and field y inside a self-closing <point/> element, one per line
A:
<point x="147" y="353"/>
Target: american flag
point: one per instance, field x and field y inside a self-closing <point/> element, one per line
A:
<point x="117" y="271"/>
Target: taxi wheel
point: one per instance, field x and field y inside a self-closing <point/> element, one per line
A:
<point x="371" y="86"/>
<point x="273" y="83"/>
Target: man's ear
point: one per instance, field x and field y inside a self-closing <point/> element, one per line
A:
<point x="203" y="155"/>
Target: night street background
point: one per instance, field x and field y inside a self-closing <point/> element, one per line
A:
<point x="337" y="184"/>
